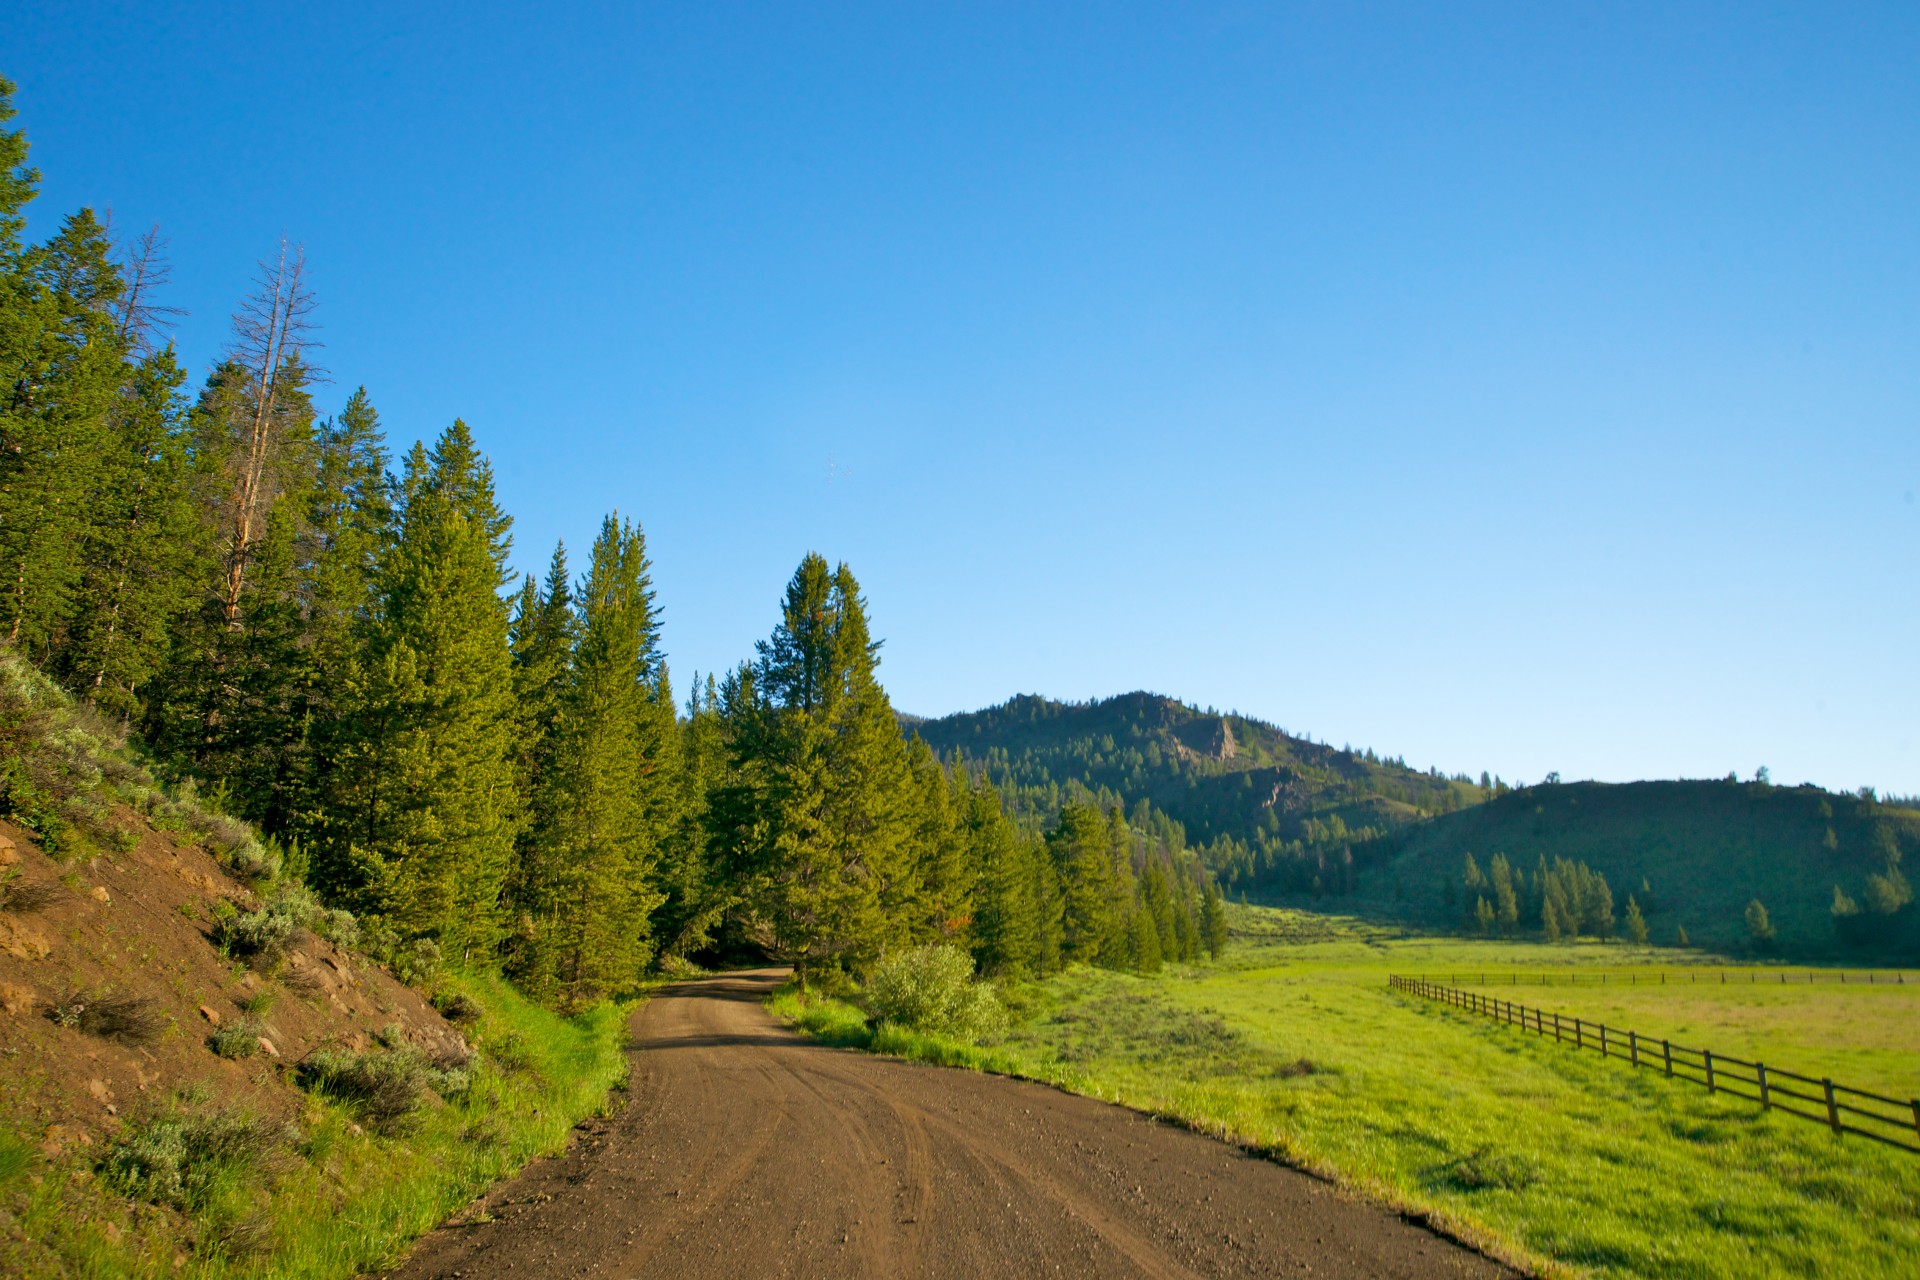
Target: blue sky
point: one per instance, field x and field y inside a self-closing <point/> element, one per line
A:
<point x="1511" y="387"/>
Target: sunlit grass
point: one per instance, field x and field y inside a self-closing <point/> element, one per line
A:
<point x="1295" y="1045"/>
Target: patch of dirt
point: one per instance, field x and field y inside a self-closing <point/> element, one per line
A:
<point x="747" y="1151"/>
<point x="136" y="926"/>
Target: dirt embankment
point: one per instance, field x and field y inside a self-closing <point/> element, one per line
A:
<point x="136" y="927"/>
<point x="747" y="1151"/>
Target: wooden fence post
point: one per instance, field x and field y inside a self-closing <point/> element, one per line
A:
<point x="1579" y="1035"/>
<point x="1833" y="1107"/>
<point x="1760" y="1073"/>
<point x="1666" y="1053"/>
<point x="1916" y="1117"/>
<point x="1603" y="1039"/>
<point x="1706" y="1056"/>
<point x="1633" y="1046"/>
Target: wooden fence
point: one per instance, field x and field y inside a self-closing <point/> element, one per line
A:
<point x="1894" y="1121"/>
<point x="1703" y="975"/>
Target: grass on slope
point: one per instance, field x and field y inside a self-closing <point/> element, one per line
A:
<point x="340" y="1199"/>
<point x="1295" y="1045"/>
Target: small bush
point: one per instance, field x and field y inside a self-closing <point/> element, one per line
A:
<point x="22" y="896"/>
<point x="338" y="927"/>
<point x="128" y="1020"/>
<point x="264" y="936"/>
<point x="182" y="1160"/>
<point x="238" y="1039"/>
<point x="457" y="1008"/>
<point x="931" y="989"/>
<point x="383" y="1089"/>
<point x="418" y="962"/>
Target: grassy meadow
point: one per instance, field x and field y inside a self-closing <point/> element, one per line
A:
<point x="1559" y="1160"/>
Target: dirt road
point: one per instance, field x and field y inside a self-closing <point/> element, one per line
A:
<point x="747" y="1152"/>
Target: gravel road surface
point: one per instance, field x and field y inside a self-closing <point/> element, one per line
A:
<point x="746" y="1151"/>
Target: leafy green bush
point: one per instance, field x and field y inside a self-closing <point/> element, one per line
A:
<point x="182" y="1160"/>
<point x="931" y="989"/>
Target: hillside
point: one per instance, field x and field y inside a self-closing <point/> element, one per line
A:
<point x="1693" y="854"/>
<point x="202" y="1065"/>
<point x="1281" y="818"/>
<point x="1245" y="789"/>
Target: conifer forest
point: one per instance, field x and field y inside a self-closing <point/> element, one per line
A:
<point x="313" y="621"/>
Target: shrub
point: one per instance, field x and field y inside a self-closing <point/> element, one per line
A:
<point x="181" y="1160"/>
<point x="264" y="935"/>
<point x="238" y="1039"/>
<point x="22" y="896"/>
<point x="931" y="989"/>
<point x="128" y="1020"/>
<point x="381" y="1088"/>
<point x="338" y="927"/>
<point x="418" y="962"/>
<point x="457" y="1008"/>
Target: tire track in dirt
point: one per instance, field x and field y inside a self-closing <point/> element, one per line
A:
<point x="746" y="1150"/>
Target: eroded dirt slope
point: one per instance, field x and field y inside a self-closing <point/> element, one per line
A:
<point x="747" y="1151"/>
<point x="138" y="924"/>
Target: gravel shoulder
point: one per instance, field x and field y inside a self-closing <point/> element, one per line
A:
<point x="747" y="1150"/>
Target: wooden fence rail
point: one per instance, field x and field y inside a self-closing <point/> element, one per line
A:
<point x="1895" y="1121"/>
<point x="1711" y="975"/>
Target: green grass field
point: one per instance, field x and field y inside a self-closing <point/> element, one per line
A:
<point x="1559" y="1159"/>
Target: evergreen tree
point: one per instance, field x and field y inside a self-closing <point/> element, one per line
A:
<point x="61" y="370"/>
<point x="592" y="888"/>
<point x="1636" y="923"/>
<point x="140" y="556"/>
<point x="422" y="812"/>
<point x="1082" y="860"/>
<point x="1214" y="921"/>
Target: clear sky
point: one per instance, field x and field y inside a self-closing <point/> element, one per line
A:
<point x="1515" y="387"/>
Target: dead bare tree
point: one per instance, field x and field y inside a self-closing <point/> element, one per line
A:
<point x="272" y="331"/>
<point x="145" y="270"/>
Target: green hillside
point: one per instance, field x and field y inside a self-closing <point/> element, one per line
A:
<point x="1250" y="793"/>
<point x="1286" y="819"/>
<point x="1692" y="855"/>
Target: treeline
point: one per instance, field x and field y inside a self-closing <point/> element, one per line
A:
<point x="336" y="649"/>
<point x="1562" y="899"/>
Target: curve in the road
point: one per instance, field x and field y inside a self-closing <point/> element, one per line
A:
<point x="746" y="1151"/>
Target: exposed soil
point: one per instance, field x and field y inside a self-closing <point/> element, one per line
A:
<point x="748" y="1151"/>
<point x="138" y="924"/>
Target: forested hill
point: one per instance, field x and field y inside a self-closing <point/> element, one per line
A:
<point x="1252" y="794"/>
<point x="1689" y="858"/>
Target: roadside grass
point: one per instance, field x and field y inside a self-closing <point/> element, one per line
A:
<point x="1554" y="1159"/>
<point x="332" y="1198"/>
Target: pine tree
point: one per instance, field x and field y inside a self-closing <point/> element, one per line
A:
<point x="1636" y="923"/>
<point x="1007" y="924"/>
<point x="593" y="886"/>
<point x="141" y="548"/>
<point x="61" y="369"/>
<point x="1082" y="860"/>
<point x="421" y="812"/>
<point x="1214" y="921"/>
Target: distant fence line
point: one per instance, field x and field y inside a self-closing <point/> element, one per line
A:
<point x="1685" y="977"/>
<point x="1842" y="1109"/>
